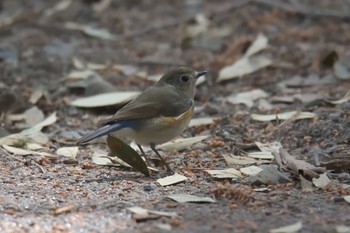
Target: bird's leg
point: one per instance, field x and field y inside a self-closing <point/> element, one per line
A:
<point x="153" y="147"/>
<point x="144" y="155"/>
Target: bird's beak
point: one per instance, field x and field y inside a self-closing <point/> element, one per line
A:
<point x="200" y="73"/>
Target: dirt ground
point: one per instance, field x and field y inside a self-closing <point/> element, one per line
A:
<point x="45" y="194"/>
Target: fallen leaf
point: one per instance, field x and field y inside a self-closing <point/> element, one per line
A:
<point x="232" y="160"/>
<point x="347" y="198"/>
<point x="268" y="147"/>
<point x="170" y="180"/>
<point x="38" y="127"/>
<point x="288" y="229"/>
<point x="306" y="185"/>
<point x="80" y="74"/>
<point x="340" y="71"/>
<point x="23" y="152"/>
<point x="142" y="211"/>
<point x="70" y="152"/>
<point x="127" y="154"/>
<point x="247" y="98"/>
<point x="182" y="198"/>
<point x="251" y="170"/>
<point x="345" y="99"/>
<point x="201" y="26"/>
<point x="59" y="6"/>
<point x="260" y="155"/>
<point x="202" y="121"/>
<point x="91" y="31"/>
<point x="321" y="182"/>
<point x="181" y="143"/>
<point x="342" y="229"/>
<point x="106" y="99"/>
<point x="36" y="95"/>
<point x="31" y="117"/>
<point x="225" y="173"/>
<point x="244" y="66"/>
<point x="259" y="44"/>
<point x="14" y="139"/>
<point x="100" y="157"/>
<point x="283" y="116"/>
<point x="65" y="209"/>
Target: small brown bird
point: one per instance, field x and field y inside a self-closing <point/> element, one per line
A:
<point x="159" y="114"/>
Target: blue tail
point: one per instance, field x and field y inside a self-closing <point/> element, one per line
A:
<point x="99" y="133"/>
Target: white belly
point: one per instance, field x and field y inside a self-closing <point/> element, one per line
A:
<point x="157" y="131"/>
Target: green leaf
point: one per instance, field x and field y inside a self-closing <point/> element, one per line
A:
<point x="127" y="154"/>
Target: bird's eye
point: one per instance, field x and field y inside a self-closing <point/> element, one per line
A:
<point x="184" y="78"/>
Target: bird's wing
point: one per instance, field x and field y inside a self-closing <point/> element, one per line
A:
<point x="152" y="103"/>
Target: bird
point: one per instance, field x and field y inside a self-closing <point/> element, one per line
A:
<point x="158" y="115"/>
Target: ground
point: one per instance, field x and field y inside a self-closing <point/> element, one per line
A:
<point x="45" y="194"/>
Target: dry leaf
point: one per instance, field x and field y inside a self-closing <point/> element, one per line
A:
<point x="106" y="99"/>
<point x="80" y="74"/>
<point x="247" y="98"/>
<point x="59" y="6"/>
<point x="260" y="43"/>
<point x="170" y="180"/>
<point x="288" y="229"/>
<point x="70" y="152"/>
<point x="65" y="209"/>
<point x="340" y="71"/>
<point x="321" y="182"/>
<point x="13" y="139"/>
<point x="225" y="173"/>
<point x="38" y="127"/>
<point x="201" y="26"/>
<point x="347" y="198"/>
<point x="268" y="147"/>
<point x="182" y="198"/>
<point x="20" y="151"/>
<point x="141" y="211"/>
<point x="127" y="154"/>
<point x="232" y="160"/>
<point x="244" y="66"/>
<point x="202" y="121"/>
<point x="342" y="229"/>
<point x="283" y="116"/>
<point x="306" y="185"/>
<point x="36" y="95"/>
<point x="251" y="170"/>
<point x="249" y="63"/>
<point x="100" y="157"/>
<point x="181" y="143"/>
<point x="345" y="99"/>
<point x="260" y="155"/>
<point x="91" y="31"/>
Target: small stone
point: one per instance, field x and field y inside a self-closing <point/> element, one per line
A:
<point x="269" y="175"/>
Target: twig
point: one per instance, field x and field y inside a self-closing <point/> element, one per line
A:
<point x="297" y="7"/>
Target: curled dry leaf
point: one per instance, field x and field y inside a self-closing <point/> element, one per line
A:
<point x="251" y="170"/>
<point x="260" y="155"/>
<point x="249" y="63"/>
<point x="127" y="154"/>
<point x="100" y="157"/>
<point x="80" y="74"/>
<point x="181" y="143"/>
<point x="283" y="116"/>
<point x="268" y="147"/>
<point x="106" y="99"/>
<point x="38" y="127"/>
<point x="342" y="229"/>
<point x="288" y="163"/>
<point x="345" y="99"/>
<point x="59" y="6"/>
<point x="170" y="180"/>
<point x="15" y="139"/>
